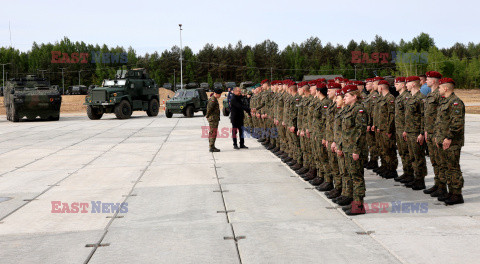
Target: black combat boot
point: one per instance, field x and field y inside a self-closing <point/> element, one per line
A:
<point x="407" y="179"/>
<point x="399" y="178"/>
<point x="357" y="209"/>
<point x="291" y="162"/>
<point x="325" y="186"/>
<point x="391" y="175"/>
<point x="296" y="167"/>
<point x="243" y="146"/>
<point x="344" y="201"/>
<point x="334" y="193"/>
<point x="454" y="199"/>
<point x="347" y="207"/>
<point x="441" y="191"/>
<point x="444" y="197"/>
<point x="431" y="189"/>
<point x="214" y="149"/>
<point x="317" y="181"/>
<point x="372" y="164"/>
<point x="418" y="185"/>
<point x="302" y="170"/>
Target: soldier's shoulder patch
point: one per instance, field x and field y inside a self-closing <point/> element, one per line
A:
<point x="455" y="104"/>
<point x="325" y="106"/>
<point x="297" y="99"/>
<point x="374" y="96"/>
<point x="360" y="111"/>
<point x="392" y="101"/>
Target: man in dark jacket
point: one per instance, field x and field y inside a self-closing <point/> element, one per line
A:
<point x="237" y="108"/>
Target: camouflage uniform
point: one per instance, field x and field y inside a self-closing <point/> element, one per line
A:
<point x="213" y="117"/>
<point x="340" y="180"/>
<point x="302" y="109"/>
<point x="320" y="117"/>
<point x="369" y="107"/>
<point x="414" y="122"/>
<point x="376" y="122"/>
<point x="386" y="124"/>
<point x="432" y="103"/>
<point x="333" y="170"/>
<point x="399" y="128"/>
<point x="279" y="116"/>
<point x="294" y="113"/>
<point x="450" y="124"/>
<point x="354" y="126"/>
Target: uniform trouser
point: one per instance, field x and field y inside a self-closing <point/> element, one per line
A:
<point x="281" y="136"/>
<point x="307" y="153"/>
<point x="295" y="146"/>
<point x="450" y="172"/>
<point x="240" y="133"/>
<point x="379" y="147"/>
<point x="322" y="158"/>
<point x="416" y="156"/>
<point x="389" y="151"/>
<point x="333" y="173"/>
<point x="355" y="170"/>
<point x="212" y="133"/>
<point x="403" y="152"/>
<point x="346" y="180"/>
<point x="302" y="148"/>
<point x="433" y="152"/>
<point x="372" y="147"/>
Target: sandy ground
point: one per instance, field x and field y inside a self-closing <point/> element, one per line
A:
<point x="74" y="103"/>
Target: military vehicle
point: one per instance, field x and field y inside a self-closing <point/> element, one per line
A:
<point x="167" y="86"/>
<point x="205" y="86"/>
<point x="217" y="85"/>
<point x="248" y="85"/>
<point x="31" y="97"/>
<point x="131" y="90"/>
<point x="187" y="102"/>
<point x="77" y="89"/>
<point x="192" y="85"/>
<point x="230" y="85"/>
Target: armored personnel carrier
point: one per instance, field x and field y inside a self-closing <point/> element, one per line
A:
<point x="31" y="97"/>
<point x="131" y="90"/>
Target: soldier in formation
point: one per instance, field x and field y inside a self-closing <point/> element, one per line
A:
<point x="329" y="131"/>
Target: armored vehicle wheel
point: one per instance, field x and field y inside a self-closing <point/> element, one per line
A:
<point x="168" y="113"/>
<point x="153" y="107"/>
<point x="225" y="112"/>
<point x="14" y="115"/>
<point x="184" y="112"/>
<point x="31" y="117"/>
<point x="204" y="112"/>
<point x="94" y="114"/>
<point x="189" y="111"/>
<point x="123" y="110"/>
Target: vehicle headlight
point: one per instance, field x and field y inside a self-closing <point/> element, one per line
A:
<point x="114" y="94"/>
<point x="181" y="107"/>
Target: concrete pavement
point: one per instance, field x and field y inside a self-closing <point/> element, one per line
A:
<point x="183" y="204"/>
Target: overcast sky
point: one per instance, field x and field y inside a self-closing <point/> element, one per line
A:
<point x="150" y="26"/>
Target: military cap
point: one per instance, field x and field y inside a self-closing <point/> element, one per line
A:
<point x="383" y="82"/>
<point x="338" y="78"/>
<point x="279" y="82"/>
<point x="312" y="83"/>
<point x="412" y="78"/>
<point x="218" y="91"/>
<point x="340" y="92"/>
<point x="265" y="81"/>
<point x="321" y="85"/>
<point x="359" y="83"/>
<point x="368" y="80"/>
<point x="447" y="80"/>
<point x="378" y="78"/>
<point x="301" y="84"/>
<point x="399" y="79"/>
<point x="434" y="74"/>
<point x="350" y="88"/>
<point x="334" y="85"/>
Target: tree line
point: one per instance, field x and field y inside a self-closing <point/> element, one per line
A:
<point x="239" y="62"/>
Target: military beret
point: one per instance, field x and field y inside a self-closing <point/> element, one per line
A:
<point x="321" y="85"/>
<point x="350" y="88"/>
<point x="312" y="83"/>
<point x="434" y="74"/>
<point x="218" y="91"/>
<point x="321" y="80"/>
<point x="334" y="85"/>
<point x="412" y="78"/>
<point x="359" y="83"/>
<point x="344" y="80"/>
<point x="399" y="79"/>
<point x="378" y="78"/>
<point x="338" y="78"/>
<point x="383" y="82"/>
<point x="340" y="92"/>
<point x="447" y="80"/>
<point x="301" y="84"/>
<point x="331" y="80"/>
<point x="279" y="82"/>
<point x="264" y="81"/>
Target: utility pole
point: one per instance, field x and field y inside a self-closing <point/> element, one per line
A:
<point x="174" y="82"/>
<point x="271" y="73"/>
<point x="63" y="82"/>
<point x="3" y="73"/>
<point x="355" y="71"/>
<point x="79" y="77"/>
<point x="181" y="58"/>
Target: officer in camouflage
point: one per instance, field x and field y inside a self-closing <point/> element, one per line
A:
<point x="213" y="117"/>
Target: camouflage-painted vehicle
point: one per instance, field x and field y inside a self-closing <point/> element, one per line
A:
<point x="248" y="85"/>
<point x="187" y="102"/>
<point x="31" y="97"/>
<point x="131" y="90"/>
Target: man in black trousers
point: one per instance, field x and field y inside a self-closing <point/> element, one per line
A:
<point x="237" y="108"/>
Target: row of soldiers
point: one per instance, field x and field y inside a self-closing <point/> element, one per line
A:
<point x="329" y="131"/>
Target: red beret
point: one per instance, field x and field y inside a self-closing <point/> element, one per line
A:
<point x="399" y="79"/>
<point x="350" y="88"/>
<point x="378" y="78"/>
<point x="331" y="80"/>
<point x="345" y="80"/>
<point x="291" y="83"/>
<point x="279" y="82"/>
<point x="312" y="83"/>
<point x="322" y="80"/>
<point x="447" y="80"/>
<point x="368" y="80"/>
<point x="338" y="78"/>
<point x="383" y="82"/>
<point x="412" y="78"/>
<point x="264" y="81"/>
<point x="340" y="92"/>
<point x="434" y="74"/>
<point x="359" y="83"/>
<point x="334" y="85"/>
<point x="321" y="85"/>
